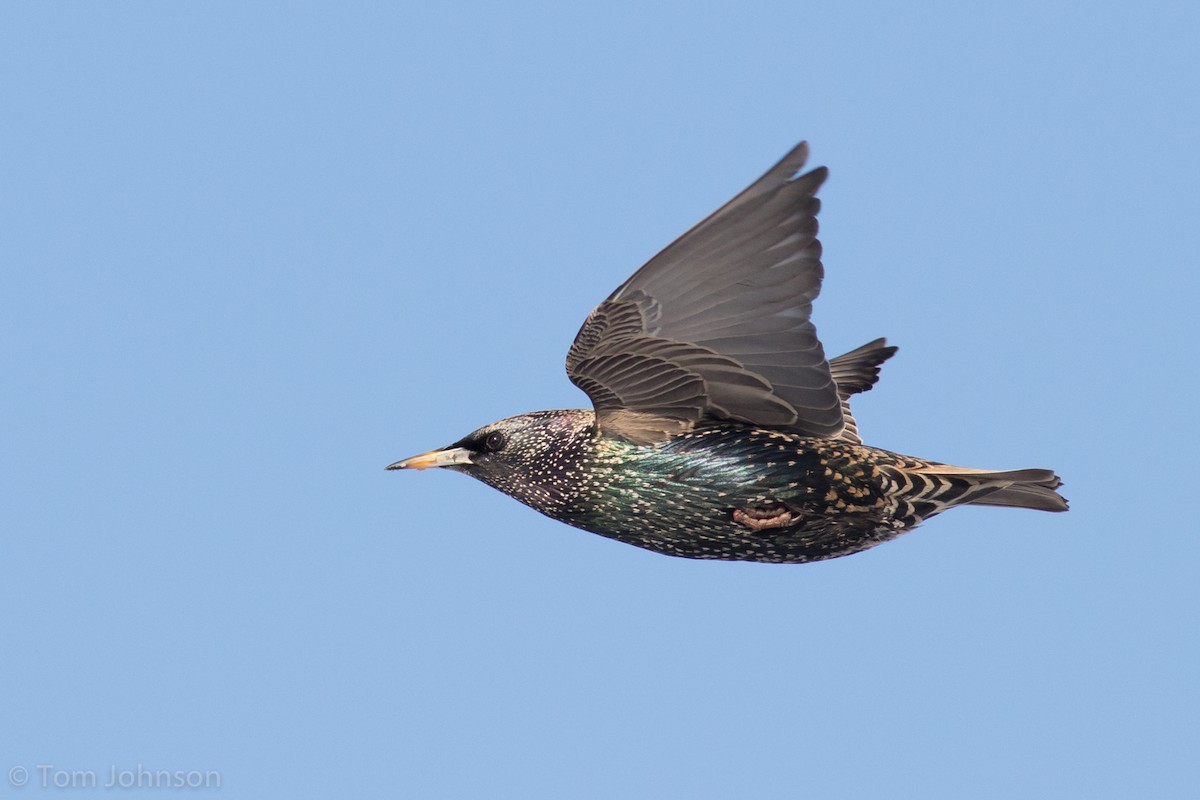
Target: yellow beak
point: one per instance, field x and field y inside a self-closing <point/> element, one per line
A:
<point x="435" y="458"/>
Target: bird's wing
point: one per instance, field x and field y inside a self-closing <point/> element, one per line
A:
<point x="717" y="324"/>
<point x="854" y="372"/>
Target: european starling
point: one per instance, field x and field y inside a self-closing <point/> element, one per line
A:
<point x="719" y="428"/>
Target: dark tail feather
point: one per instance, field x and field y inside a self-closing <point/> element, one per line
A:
<point x="1036" y="493"/>
<point x="1019" y="488"/>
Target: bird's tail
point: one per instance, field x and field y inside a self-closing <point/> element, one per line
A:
<point x="1019" y="488"/>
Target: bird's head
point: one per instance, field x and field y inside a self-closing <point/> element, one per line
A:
<point x="527" y="456"/>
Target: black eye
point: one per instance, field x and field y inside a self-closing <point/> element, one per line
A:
<point x="494" y="442"/>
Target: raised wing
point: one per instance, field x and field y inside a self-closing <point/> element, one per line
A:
<point x="717" y="324"/>
<point x="854" y="372"/>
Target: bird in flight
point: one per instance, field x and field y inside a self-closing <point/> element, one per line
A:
<point x="719" y="429"/>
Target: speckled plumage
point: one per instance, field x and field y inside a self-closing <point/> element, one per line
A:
<point x="720" y="431"/>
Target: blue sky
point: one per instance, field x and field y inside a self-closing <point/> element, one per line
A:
<point x="253" y="253"/>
